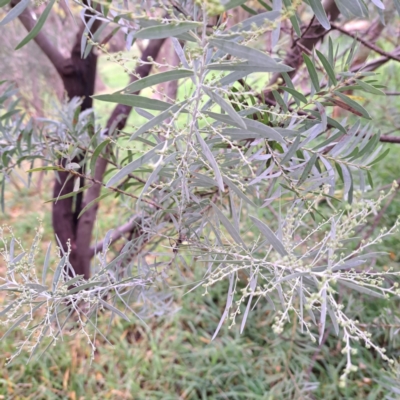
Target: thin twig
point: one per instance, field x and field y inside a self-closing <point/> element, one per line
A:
<point x="117" y="234"/>
<point x="112" y="188"/>
<point x="390" y="139"/>
<point x="370" y="45"/>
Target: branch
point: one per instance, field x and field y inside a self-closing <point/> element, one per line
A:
<point x="117" y="234"/>
<point x="389" y="139"/>
<point x="375" y="64"/>
<point x="28" y="19"/>
<point x="120" y="114"/>
<point x="370" y="45"/>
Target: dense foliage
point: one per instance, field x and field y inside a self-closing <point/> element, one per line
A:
<point x="247" y="175"/>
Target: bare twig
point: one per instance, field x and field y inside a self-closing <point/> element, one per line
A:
<point x="390" y="139"/>
<point x="117" y="234"/>
<point x="370" y="45"/>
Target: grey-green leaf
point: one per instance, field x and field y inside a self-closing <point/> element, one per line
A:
<point x="14" y="12"/>
<point x="36" y="29"/>
<point x="239" y="193"/>
<point x="270" y="236"/>
<point x="165" y="31"/>
<point x="96" y="154"/>
<point x="134" y="165"/>
<point x="361" y="289"/>
<point x="226" y="107"/>
<point x="312" y="72"/>
<point x="229" y="227"/>
<point x="353" y="104"/>
<point x="208" y="154"/>
<point x="255" y="57"/>
<point x="46" y="264"/>
<point x="57" y="272"/>
<point x="114" y="310"/>
<point x="249" y="67"/>
<point x="369" y="88"/>
<point x="293" y="148"/>
<point x="307" y="169"/>
<point x="328" y="68"/>
<point x="133" y="100"/>
<point x="157" y="79"/>
<point x="158" y="119"/>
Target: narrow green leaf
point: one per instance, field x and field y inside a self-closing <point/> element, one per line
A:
<point x="291" y="277"/>
<point x="36" y="29"/>
<point x="334" y="320"/>
<point x="167" y="30"/>
<point x="229" y="227"/>
<point x="72" y="281"/>
<point x="226" y="107"/>
<point x="50" y="168"/>
<point x="239" y="193"/>
<point x="255" y="57"/>
<point x="268" y="7"/>
<point x="279" y="99"/>
<point x="369" y="88"/>
<point x="248" y="9"/>
<point x="333" y="138"/>
<point x="57" y="272"/>
<point x="270" y="236"/>
<point x="380" y="157"/>
<point x="233" y="3"/>
<point x="114" y="310"/>
<point x="133" y="100"/>
<point x="254" y="128"/>
<point x="96" y="154"/>
<point x="293" y="148"/>
<point x="331" y="57"/>
<point x="46" y="264"/>
<point x="158" y="119"/>
<point x="353" y="104"/>
<point x="295" y="94"/>
<point x="208" y="154"/>
<point x="307" y="169"/>
<point x="293" y="18"/>
<point x="66" y="196"/>
<point x="248" y="67"/>
<point x="370" y="180"/>
<point x="93" y="202"/>
<point x="320" y="13"/>
<point x="20" y="320"/>
<point x="77" y="289"/>
<point x="367" y="149"/>
<point x="134" y="165"/>
<point x="361" y="289"/>
<point x="328" y="68"/>
<point x="157" y="79"/>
